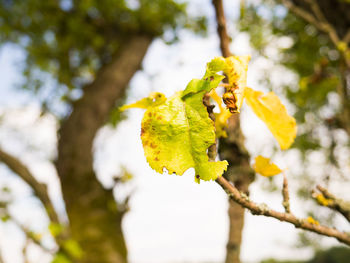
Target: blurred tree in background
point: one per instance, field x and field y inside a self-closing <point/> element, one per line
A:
<point x="310" y="41"/>
<point x="91" y="49"/>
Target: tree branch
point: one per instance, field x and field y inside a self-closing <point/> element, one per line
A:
<point x="233" y="150"/>
<point x="302" y="13"/>
<point x="221" y="28"/>
<point x="39" y="189"/>
<point x="262" y="209"/>
<point x="321" y="23"/>
<point x="30" y="235"/>
<point x="89" y="205"/>
<point x="285" y="194"/>
<point x="327" y="27"/>
<point x="325" y="198"/>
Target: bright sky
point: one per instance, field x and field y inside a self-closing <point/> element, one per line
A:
<point x="172" y="219"/>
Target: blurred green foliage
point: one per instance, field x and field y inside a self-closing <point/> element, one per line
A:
<point x="72" y="39"/>
<point x="315" y="64"/>
<point x="315" y="75"/>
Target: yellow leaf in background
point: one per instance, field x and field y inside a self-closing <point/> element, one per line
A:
<point x="221" y="117"/>
<point x="264" y="167"/>
<point x="270" y="110"/>
<point x="154" y="99"/>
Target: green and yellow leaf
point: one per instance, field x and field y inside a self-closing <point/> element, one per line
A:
<point x="176" y="134"/>
<point x="265" y="167"/>
<point x="270" y="110"/>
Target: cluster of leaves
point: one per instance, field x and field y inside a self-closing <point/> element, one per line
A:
<point x="72" y="39"/>
<point x="177" y="131"/>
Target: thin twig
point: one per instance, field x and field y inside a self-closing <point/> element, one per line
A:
<point x="285" y="194"/>
<point x="262" y="209"/>
<point x="325" y="198"/>
<point x="30" y="235"/>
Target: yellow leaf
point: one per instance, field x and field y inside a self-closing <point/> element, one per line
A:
<point x="264" y="167"/>
<point x="237" y="78"/>
<point x="154" y="99"/>
<point x="221" y="117"/>
<point x="312" y="221"/>
<point x="235" y="68"/>
<point x="270" y="110"/>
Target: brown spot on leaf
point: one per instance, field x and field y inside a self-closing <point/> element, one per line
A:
<point x="153" y="146"/>
<point x="197" y="176"/>
<point x="156" y="159"/>
<point x="159" y="118"/>
<point x="142" y="131"/>
<point x="149" y="114"/>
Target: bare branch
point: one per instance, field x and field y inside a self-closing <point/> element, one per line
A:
<point x="308" y="17"/>
<point x="325" y="198"/>
<point x="317" y="11"/>
<point x="321" y="23"/>
<point x="327" y="27"/>
<point x="221" y="28"/>
<point x="40" y="190"/>
<point x="262" y="209"/>
<point x="285" y="194"/>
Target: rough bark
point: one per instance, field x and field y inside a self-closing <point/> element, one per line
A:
<point x="94" y="219"/>
<point x="233" y="150"/>
<point x="239" y="172"/>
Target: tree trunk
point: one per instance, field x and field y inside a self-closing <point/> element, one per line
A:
<point x="240" y="173"/>
<point x="94" y="219"/>
<point x="233" y="150"/>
